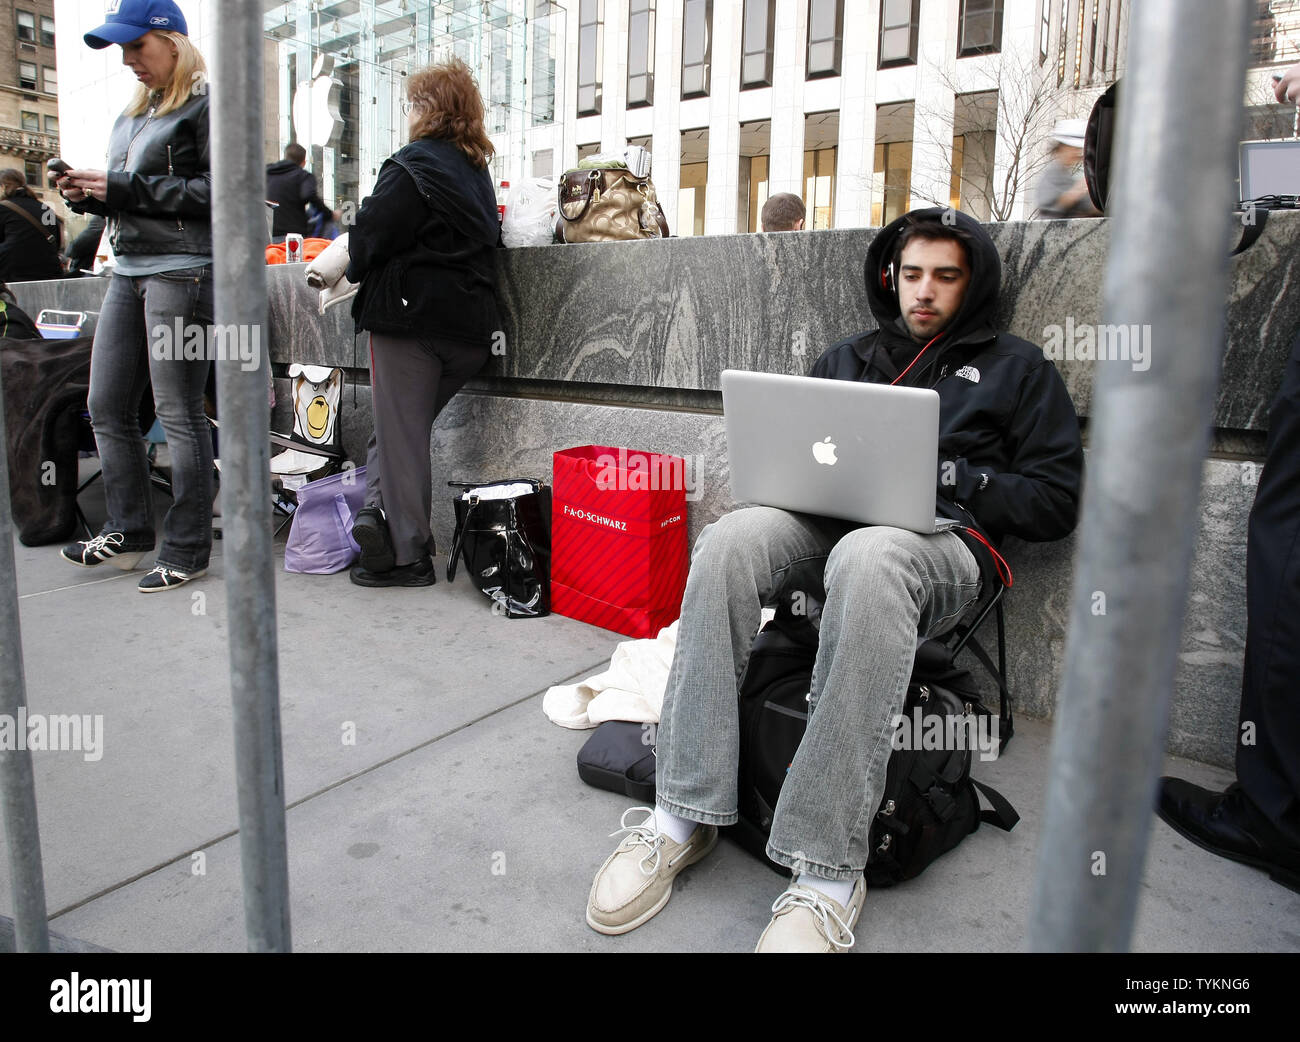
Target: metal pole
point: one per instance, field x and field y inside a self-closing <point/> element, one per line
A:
<point x="17" y="786"/>
<point x="1167" y="273"/>
<point x="239" y="225"/>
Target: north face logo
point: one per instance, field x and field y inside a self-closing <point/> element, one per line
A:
<point x="970" y="373"/>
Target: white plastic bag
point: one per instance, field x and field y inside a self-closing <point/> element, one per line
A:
<point x="530" y="213"/>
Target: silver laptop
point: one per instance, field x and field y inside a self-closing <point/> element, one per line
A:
<point x="1269" y="168"/>
<point x="857" y="451"/>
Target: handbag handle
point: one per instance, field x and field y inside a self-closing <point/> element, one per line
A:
<point x="458" y="537"/>
<point x="588" y="183"/>
<point x="536" y="483"/>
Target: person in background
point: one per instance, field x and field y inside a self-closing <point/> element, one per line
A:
<point x="85" y="248"/>
<point x="422" y="250"/>
<point x="157" y="197"/>
<point x="1256" y="820"/>
<point x="783" y="212"/>
<point x="289" y="185"/>
<point x="30" y="233"/>
<point x="1062" y="190"/>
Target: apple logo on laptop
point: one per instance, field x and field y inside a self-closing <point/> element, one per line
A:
<point x="824" y="451"/>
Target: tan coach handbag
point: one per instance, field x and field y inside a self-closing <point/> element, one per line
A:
<point x="606" y="205"/>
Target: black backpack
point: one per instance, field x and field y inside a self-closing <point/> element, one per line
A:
<point x="930" y="803"/>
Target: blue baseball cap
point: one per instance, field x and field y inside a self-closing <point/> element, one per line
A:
<point x="130" y="19"/>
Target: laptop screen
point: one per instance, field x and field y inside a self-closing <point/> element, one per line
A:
<point x="1269" y="168"/>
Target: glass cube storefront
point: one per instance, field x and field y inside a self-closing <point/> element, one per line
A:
<point x="341" y="69"/>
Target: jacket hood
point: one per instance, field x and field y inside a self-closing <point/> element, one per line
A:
<point x="282" y="167"/>
<point x="974" y="321"/>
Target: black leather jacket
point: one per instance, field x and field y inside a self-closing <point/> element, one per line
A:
<point x="159" y="182"/>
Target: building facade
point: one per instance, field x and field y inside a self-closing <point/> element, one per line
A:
<point x="865" y="108"/>
<point x="29" y="89"/>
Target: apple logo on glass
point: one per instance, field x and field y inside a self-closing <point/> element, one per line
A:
<point x="824" y="451"/>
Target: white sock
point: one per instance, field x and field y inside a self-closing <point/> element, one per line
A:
<point x="838" y="890"/>
<point x="675" y="828"/>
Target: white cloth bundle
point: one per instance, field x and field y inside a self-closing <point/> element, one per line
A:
<point x="328" y="273"/>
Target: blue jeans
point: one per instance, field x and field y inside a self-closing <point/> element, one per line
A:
<point x="122" y="362"/>
<point x="884" y="587"/>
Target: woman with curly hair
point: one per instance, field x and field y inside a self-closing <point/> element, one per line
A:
<point x="422" y="250"/>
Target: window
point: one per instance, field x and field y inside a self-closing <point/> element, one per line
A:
<point x="1063" y="41"/>
<point x="756" y="44"/>
<point x="898" y="26"/>
<point x="1105" y="39"/>
<point x="1044" y="31"/>
<point x="31" y="121"/>
<point x="697" y="47"/>
<point x="825" y="37"/>
<point x="1078" y="47"/>
<point x="590" y="57"/>
<point x="1092" y="43"/>
<point x="32" y="171"/>
<point x="51" y="124"/>
<point x="51" y="79"/>
<point x="1119" y="4"/>
<point x="692" y="185"/>
<point x="26" y="26"/>
<point x="980" y="31"/>
<point x="755" y="155"/>
<point x="821" y="132"/>
<point x="641" y="53"/>
<point x="27" y="75"/>
<point x="47" y="32"/>
<point x="543" y="57"/>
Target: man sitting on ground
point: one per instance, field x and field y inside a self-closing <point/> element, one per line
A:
<point x="1010" y="463"/>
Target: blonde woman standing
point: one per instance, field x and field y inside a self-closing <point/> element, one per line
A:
<point x="157" y="196"/>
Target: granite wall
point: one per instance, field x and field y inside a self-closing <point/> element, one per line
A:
<point x="623" y="344"/>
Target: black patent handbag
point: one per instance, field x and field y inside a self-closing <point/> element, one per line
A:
<point x="505" y="544"/>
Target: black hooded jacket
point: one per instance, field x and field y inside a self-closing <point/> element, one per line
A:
<point x="424" y="247"/>
<point x="1007" y="427"/>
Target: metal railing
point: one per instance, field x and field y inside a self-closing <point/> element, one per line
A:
<point x="1167" y="268"/>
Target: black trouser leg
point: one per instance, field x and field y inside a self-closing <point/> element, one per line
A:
<point x="1269" y="770"/>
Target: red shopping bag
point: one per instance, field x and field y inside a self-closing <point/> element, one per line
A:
<point x="618" y="538"/>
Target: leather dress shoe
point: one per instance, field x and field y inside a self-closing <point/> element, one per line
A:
<point x="1228" y="824"/>
<point x="421" y="573"/>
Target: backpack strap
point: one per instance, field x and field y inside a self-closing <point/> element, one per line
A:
<point x="1003" y="815"/>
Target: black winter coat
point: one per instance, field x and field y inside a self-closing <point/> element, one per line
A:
<point x="424" y="246"/>
<point x="25" y="254"/>
<point x="292" y="188"/>
<point x="1007" y="425"/>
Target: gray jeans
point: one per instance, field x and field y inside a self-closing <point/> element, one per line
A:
<point x="884" y="587"/>
<point x="122" y="363"/>
<point x="412" y="380"/>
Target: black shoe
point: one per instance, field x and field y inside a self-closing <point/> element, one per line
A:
<point x="370" y="530"/>
<point x="421" y="573"/>
<point x="1228" y="824"/>
<point x="121" y="550"/>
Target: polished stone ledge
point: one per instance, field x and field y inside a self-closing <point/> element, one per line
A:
<point x="667" y="316"/>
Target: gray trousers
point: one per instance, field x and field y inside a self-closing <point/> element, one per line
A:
<point x="411" y="381"/>
<point x="884" y="586"/>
